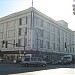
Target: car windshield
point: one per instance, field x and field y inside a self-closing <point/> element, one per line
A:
<point x="66" y="57"/>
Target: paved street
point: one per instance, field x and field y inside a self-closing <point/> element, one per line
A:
<point x="14" y="69"/>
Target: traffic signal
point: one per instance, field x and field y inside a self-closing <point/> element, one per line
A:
<point x="16" y="44"/>
<point x="74" y="9"/>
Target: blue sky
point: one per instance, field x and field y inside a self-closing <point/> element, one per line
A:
<point x="56" y="9"/>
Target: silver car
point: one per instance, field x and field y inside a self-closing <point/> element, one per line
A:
<point x="37" y="61"/>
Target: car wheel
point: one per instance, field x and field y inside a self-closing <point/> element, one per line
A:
<point x="26" y="65"/>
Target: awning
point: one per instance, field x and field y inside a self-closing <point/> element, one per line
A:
<point x="20" y="52"/>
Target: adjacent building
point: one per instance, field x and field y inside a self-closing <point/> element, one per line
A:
<point x="32" y="32"/>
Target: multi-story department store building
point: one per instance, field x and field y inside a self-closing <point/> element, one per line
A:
<point x="74" y="40"/>
<point x="36" y="34"/>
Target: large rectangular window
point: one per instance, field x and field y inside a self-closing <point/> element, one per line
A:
<point x="19" y="31"/>
<point x="26" y="19"/>
<point x="48" y="44"/>
<point x="53" y="37"/>
<point x="20" y="21"/>
<point x="25" y="30"/>
<point x="53" y="28"/>
<point x="41" y="43"/>
<point x="41" y="23"/>
<point x="25" y="42"/>
<point x="53" y="46"/>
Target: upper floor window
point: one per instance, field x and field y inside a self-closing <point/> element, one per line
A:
<point x="41" y="23"/>
<point x="20" y="21"/>
<point x="53" y="28"/>
<point x="26" y="30"/>
<point x="19" y="42"/>
<point x="41" y="43"/>
<point x="25" y="42"/>
<point x="48" y="45"/>
<point x="58" y="31"/>
<point x="53" y="37"/>
<point x="58" y="47"/>
<point x="53" y="46"/>
<point x="26" y="19"/>
<point x="19" y="31"/>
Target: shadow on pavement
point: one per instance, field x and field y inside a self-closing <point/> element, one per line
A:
<point x="7" y="69"/>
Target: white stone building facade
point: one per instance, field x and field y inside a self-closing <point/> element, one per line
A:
<point x="74" y="40"/>
<point x="40" y="33"/>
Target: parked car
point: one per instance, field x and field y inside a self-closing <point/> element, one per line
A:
<point x="57" y="62"/>
<point x="1" y="60"/>
<point x="18" y="60"/>
<point x="67" y="59"/>
<point x="37" y="61"/>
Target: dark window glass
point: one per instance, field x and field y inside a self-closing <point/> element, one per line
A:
<point x="31" y="59"/>
<point x="48" y="45"/>
<point x="25" y="42"/>
<point x="41" y="43"/>
<point x="26" y="20"/>
<point x="53" y="46"/>
<point x="26" y="30"/>
<point x="19" y="31"/>
<point x="20" y="21"/>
